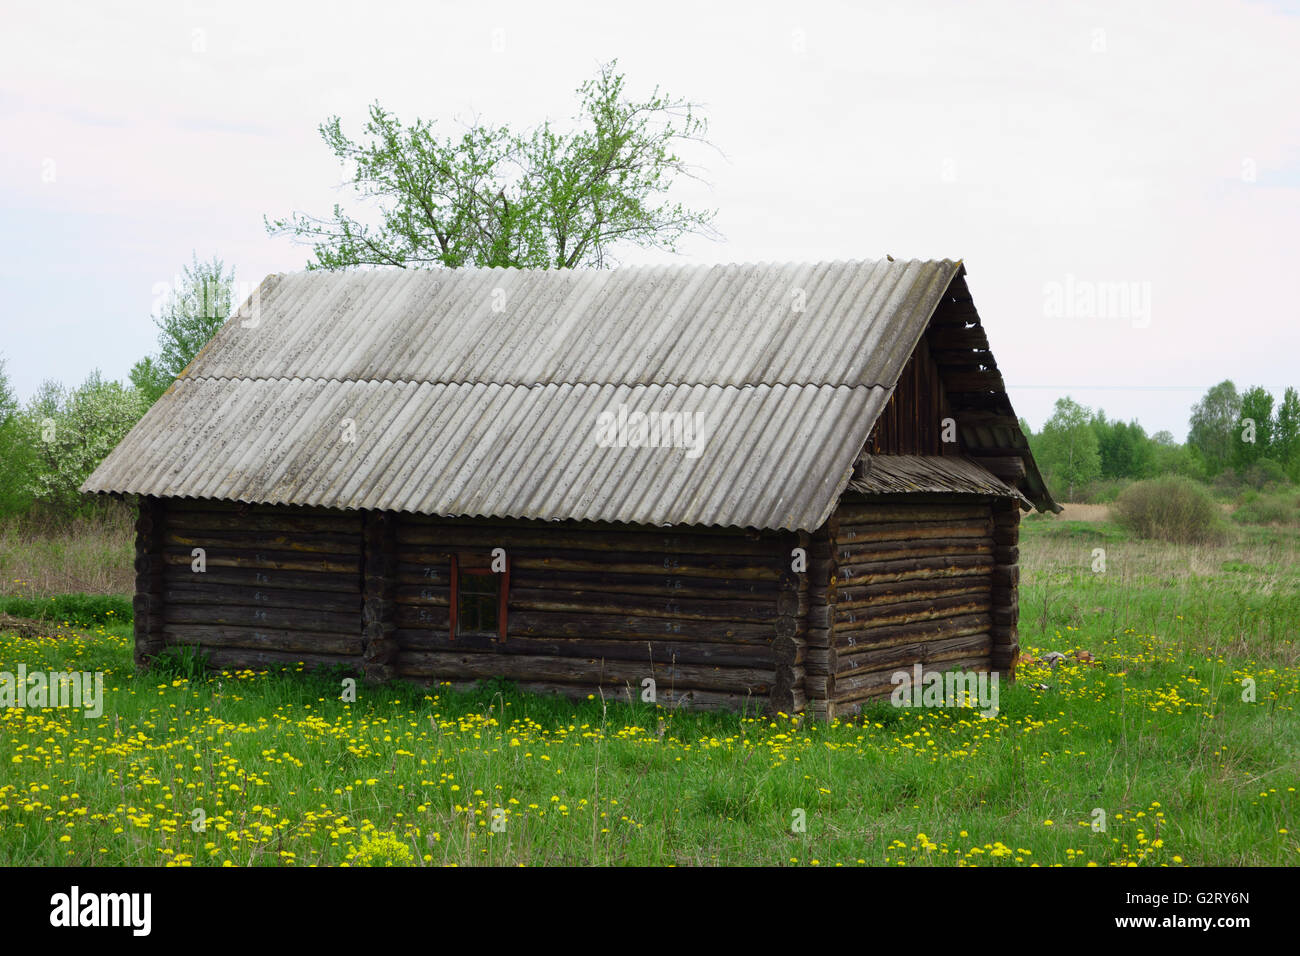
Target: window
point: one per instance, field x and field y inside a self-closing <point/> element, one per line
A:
<point x="479" y="596"/>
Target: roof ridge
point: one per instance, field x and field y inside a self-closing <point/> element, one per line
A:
<point x="513" y="384"/>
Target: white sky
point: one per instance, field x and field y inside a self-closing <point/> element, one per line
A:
<point x="1153" y="147"/>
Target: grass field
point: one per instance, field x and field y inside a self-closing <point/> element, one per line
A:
<point x="1155" y="739"/>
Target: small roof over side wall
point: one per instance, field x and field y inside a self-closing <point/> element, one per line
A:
<point x="712" y="395"/>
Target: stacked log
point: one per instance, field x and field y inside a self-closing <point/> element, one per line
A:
<point x="280" y="584"/>
<point x="908" y="581"/>
<point x="148" y="600"/>
<point x="819" y="668"/>
<point x="789" y="643"/>
<point x="601" y="607"/>
<point x="1006" y="590"/>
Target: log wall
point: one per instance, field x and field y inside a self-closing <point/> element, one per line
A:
<point x="282" y="584"/>
<point x="907" y="579"/>
<point x="705" y="613"/>
<point x="717" y="618"/>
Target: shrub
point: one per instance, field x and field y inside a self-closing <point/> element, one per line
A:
<point x="1264" y="474"/>
<point x="1281" y="508"/>
<point x="1170" y="509"/>
<point x="1227" y="483"/>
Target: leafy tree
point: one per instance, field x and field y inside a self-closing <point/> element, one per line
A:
<point x="72" y="432"/>
<point x="1170" y="458"/>
<point x="1066" y="449"/>
<point x="1257" y="409"/>
<point x="1214" y="419"/>
<point x="1286" y="434"/>
<point x="187" y="321"/>
<point x="494" y="197"/>
<point x="1124" y="449"/>
<point x="16" y="452"/>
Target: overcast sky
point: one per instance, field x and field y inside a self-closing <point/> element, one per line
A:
<point x="1122" y="180"/>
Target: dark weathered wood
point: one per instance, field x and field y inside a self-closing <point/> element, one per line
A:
<point x="239" y="658"/>
<point x="292" y="619"/>
<point x="289" y="541"/>
<point x="184" y="575"/>
<point x="873" y="573"/>
<point x="915" y="531"/>
<point x="712" y="566"/>
<point x="470" y="666"/>
<point x="615" y="626"/>
<point x="1009" y="469"/>
<point x="933" y="651"/>
<point x="901" y="592"/>
<point x="379" y="609"/>
<point x="647" y="544"/>
<point x="850" y="621"/>
<point x="199" y="591"/>
<point x="181" y="521"/>
<point x="311" y="642"/>
<point x="147" y="604"/>
<point x="1005" y="590"/>
<point x="667" y="651"/>
<point x="787" y="649"/>
<point x="273" y="560"/>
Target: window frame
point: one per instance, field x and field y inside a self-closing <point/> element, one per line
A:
<point x="464" y="564"/>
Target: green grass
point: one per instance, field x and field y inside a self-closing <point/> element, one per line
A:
<point x="1156" y="736"/>
<point x="82" y="610"/>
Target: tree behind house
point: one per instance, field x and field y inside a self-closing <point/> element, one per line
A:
<point x="187" y="321"/>
<point x="543" y="199"/>
<point x="1066" y="449"/>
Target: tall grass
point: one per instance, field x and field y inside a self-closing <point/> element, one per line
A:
<point x="85" y="555"/>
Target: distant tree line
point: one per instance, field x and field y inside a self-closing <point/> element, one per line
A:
<point x="1233" y="438"/>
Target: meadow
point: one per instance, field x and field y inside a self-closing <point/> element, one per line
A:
<point x="1180" y="745"/>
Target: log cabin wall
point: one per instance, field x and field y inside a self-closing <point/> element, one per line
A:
<point x="716" y="617"/>
<point x="908" y="579"/>
<point x="281" y="584"/>
<point x="712" y="616"/>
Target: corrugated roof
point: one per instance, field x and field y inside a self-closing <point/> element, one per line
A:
<point x="508" y="450"/>
<point x="904" y="474"/>
<point x="479" y="392"/>
<point x="843" y="323"/>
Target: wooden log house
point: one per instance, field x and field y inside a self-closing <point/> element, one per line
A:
<point x="758" y="486"/>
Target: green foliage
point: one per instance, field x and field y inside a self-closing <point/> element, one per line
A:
<point x="72" y="432"/>
<point x="189" y="318"/>
<point x="1286" y="434"/>
<point x="1066" y="450"/>
<point x="1252" y="438"/>
<point x="1170" y="458"/>
<point x="1214" y="420"/>
<point x="184" y="661"/>
<point x="1169" y="509"/>
<point x="17" y="455"/>
<point x="1124" y="449"/>
<point x="82" y="610"/>
<point x="493" y="197"/>
<point x="1276" y="508"/>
